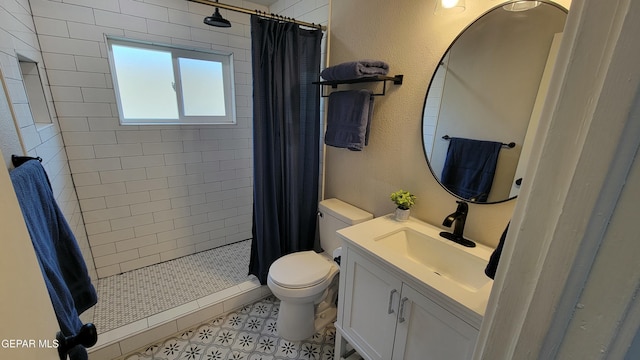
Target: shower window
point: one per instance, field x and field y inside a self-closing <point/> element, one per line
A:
<point x="164" y="84"/>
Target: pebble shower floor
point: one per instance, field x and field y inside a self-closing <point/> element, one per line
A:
<point x="137" y="294"/>
<point x="246" y="334"/>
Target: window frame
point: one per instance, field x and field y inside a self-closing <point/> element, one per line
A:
<point x="225" y="58"/>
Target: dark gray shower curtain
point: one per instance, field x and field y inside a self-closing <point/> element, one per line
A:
<point x="286" y="133"/>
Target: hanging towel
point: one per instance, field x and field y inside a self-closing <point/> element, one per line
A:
<point x="355" y="69"/>
<point x="469" y="167"/>
<point x="63" y="268"/>
<point x="349" y="119"/>
<point x="492" y="266"/>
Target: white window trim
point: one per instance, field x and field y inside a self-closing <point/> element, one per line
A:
<point x="185" y="52"/>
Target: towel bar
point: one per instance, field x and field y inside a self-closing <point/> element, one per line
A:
<point x="509" y="145"/>
<point x="397" y="80"/>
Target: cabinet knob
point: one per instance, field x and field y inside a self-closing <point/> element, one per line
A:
<point x="390" y="309"/>
<point x="401" y="311"/>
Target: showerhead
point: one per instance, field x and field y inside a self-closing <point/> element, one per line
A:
<point x="217" y="20"/>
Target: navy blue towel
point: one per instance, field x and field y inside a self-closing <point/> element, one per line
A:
<point x="63" y="268"/>
<point x="349" y="119"/>
<point x="469" y="167"/>
<point x="355" y="69"/>
<point x="494" y="260"/>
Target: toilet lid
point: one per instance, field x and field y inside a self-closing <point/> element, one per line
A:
<point x="299" y="270"/>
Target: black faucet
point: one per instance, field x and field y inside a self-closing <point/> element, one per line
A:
<point x="459" y="217"/>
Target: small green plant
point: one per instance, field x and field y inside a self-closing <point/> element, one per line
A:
<point x="403" y="199"/>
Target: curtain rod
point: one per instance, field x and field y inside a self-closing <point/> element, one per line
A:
<point x="260" y="13"/>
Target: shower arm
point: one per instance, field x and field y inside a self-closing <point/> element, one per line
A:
<point x="260" y="13"/>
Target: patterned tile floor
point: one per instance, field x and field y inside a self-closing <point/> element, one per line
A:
<point x="138" y="294"/>
<point x="246" y="334"/>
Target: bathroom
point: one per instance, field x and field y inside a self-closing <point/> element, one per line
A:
<point x="84" y="108"/>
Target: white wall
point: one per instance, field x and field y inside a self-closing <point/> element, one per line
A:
<point x="17" y="36"/>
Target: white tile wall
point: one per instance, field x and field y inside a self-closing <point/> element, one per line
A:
<point x="18" y="36"/>
<point x="147" y="193"/>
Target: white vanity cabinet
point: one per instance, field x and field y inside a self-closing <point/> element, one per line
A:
<point x="384" y="317"/>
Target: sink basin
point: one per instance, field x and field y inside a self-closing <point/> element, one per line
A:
<point x="442" y="257"/>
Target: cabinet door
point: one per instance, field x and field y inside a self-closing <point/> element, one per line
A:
<point x="371" y="301"/>
<point x="427" y="331"/>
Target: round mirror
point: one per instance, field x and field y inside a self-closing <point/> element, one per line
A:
<point x="483" y="103"/>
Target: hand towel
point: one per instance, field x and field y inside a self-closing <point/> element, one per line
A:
<point x="469" y="167"/>
<point x="355" y="69"/>
<point x="349" y="119"/>
<point x="61" y="262"/>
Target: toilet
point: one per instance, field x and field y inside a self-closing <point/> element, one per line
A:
<point x="307" y="282"/>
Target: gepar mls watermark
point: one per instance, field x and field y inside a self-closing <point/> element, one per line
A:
<point x="29" y="344"/>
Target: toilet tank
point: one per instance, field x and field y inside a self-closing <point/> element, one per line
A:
<point x="334" y="215"/>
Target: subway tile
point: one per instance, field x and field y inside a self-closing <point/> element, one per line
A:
<point x="187" y="201"/>
<point x="218" y="155"/>
<point x="111" y="237"/>
<point x="174" y="234"/>
<point x="158" y="248"/>
<point x="128" y="199"/>
<point x="222" y="214"/>
<point x="113" y="176"/>
<point x="166" y="29"/>
<point x="218" y="176"/>
<point x="136" y="243"/>
<point x="210" y="244"/>
<point x="102" y="250"/>
<point x="191" y="220"/>
<point x="199" y="316"/>
<point x="206" y="207"/>
<point x="98" y="228"/>
<point x="204" y="188"/>
<point x="62" y="11"/>
<point x="106" y="214"/>
<point x="235" y="220"/>
<point x="92" y="204"/>
<point x="83" y="109"/>
<point x="104" y="124"/>
<point x="146" y="185"/>
<point x="92" y="32"/>
<point x="120" y="21"/>
<point x="165" y="171"/>
<point x="138" y="136"/>
<point x="180" y="252"/>
<point x="193" y="240"/>
<point x="203" y="167"/>
<point x="183" y="180"/>
<point x="132" y="162"/>
<point x="66" y="93"/>
<point x="92" y="191"/>
<point x="200" y="145"/>
<point x="56" y="61"/>
<point x="162" y="148"/>
<point x="116" y="258"/>
<point x="149" y="207"/>
<point x="154" y="228"/>
<point x="89" y="138"/>
<point x="77" y="79"/>
<point x="183" y="158"/>
<point x="137" y="341"/>
<point x="85" y="179"/>
<point x="117" y="150"/>
<point x="131" y="221"/>
<point x="102" y="273"/>
<point x="180" y="135"/>
<point x="169" y="193"/>
<point x="208" y="226"/>
<point x="235" y="184"/>
<point x="171" y="214"/>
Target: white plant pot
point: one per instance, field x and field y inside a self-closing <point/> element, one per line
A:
<point x="402" y="215"/>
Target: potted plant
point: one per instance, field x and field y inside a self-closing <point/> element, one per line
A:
<point x="404" y="200"/>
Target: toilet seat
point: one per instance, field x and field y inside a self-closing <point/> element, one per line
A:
<point x="300" y="270"/>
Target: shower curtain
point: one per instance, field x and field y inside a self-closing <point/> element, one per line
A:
<point x="286" y="132"/>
